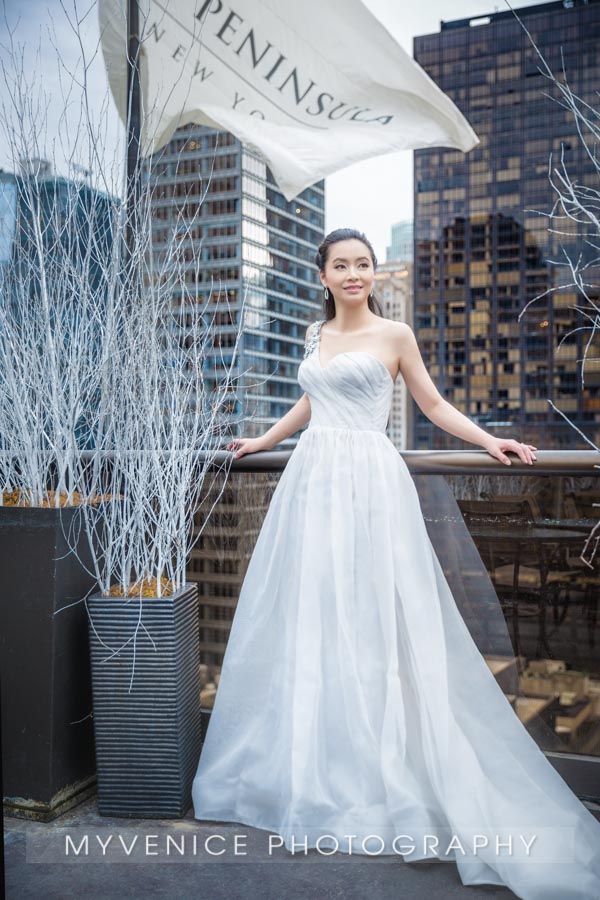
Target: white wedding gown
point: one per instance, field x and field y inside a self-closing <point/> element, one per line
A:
<point x="352" y="698"/>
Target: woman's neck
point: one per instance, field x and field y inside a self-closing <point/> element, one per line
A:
<point x="350" y="320"/>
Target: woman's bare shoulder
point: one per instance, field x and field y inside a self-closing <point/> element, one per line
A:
<point x="395" y="325"/>
<point x="395" y="330"/>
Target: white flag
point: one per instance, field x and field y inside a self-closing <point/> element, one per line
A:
<point x="314" y="85"/>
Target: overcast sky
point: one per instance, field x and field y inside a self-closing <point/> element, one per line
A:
<point x="369" y="195"/>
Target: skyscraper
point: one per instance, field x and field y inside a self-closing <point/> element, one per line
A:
<point x="401" y="248"/>
<point x="483" y="249"/>
<point x="252" y="244"/>
<point x="56" y="240"/>
<point x="393" y="283"/>
<point x="255" y="247"/>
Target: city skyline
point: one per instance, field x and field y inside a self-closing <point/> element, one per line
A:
<point x="371" y="195"/>
<point x="500" y="324"/>
<point x="252" y="244"/>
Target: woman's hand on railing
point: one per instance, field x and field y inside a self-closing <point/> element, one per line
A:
<point x="496" y="446"/>
<point x="241" y="446"/>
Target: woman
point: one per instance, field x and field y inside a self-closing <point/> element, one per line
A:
<point x="354" y="711"/>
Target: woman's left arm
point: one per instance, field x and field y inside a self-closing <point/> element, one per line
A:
<point x="442" y="413"/>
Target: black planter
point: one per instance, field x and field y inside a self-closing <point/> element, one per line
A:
<point x="47" y="730"/>
<point x="205" y="720"/>
<point x="148" y="730"/>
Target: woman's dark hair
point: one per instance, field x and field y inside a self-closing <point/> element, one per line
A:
<point x="345" y="234"/>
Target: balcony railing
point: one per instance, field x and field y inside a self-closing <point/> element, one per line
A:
<point x="520" y="548"/>
<point x="445" y="462"/>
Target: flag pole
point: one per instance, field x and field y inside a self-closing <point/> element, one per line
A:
<point x="133" y="127"/>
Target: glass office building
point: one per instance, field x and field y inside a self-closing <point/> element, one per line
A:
<point x="46" y="221"/>
<point x="53" y="202"/>
<point x="255" y="246"/>
<point x="245" y="245"/>
<point x="401" y="248"/>
<point x="483" y="249"/>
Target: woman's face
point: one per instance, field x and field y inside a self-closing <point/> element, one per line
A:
<point x="349" y="272"/>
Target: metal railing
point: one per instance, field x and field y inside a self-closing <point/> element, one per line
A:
<point x="444" y="462"/>
<point x="522" y="573"/>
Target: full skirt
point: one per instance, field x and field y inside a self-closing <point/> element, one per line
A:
<point x="354" y="706"/>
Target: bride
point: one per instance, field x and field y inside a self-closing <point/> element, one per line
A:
<point x="354" y="710"/>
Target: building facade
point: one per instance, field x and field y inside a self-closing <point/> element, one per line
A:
<point x="247" y="246"/>
<point x="394" y="283"/>
<point x="66" y="212"/>
<point x="482" y="240"/>
<point x="253" y="246"/>
<point x="51" y="227"/>
<point x="401" y="248"/>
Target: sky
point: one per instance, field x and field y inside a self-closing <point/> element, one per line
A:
<point x="370" y="195"/>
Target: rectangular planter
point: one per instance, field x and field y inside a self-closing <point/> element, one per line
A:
<point x="47" y="730"/>
<point x="148" y="730"/>
<point x="205" y="713"/>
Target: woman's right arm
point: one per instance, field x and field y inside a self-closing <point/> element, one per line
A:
<point x="294" y="419"/>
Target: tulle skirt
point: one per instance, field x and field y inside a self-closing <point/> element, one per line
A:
<point x="354" y="710"/>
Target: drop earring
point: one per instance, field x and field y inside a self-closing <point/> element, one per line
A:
<point x="327" y="293"/>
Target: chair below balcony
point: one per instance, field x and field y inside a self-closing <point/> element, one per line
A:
<point x="523" y="561"/>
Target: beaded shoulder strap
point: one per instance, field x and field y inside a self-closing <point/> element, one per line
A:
<point x="313" y="340"/>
